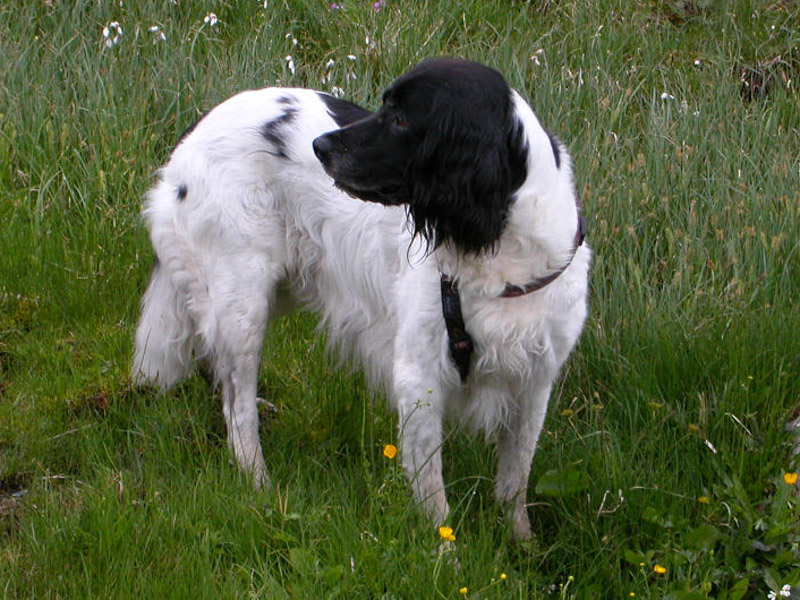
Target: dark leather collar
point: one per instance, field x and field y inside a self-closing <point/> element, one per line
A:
<point x="514" y="291"/>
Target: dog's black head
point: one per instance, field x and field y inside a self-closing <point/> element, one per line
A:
<point x="446" y="143"/>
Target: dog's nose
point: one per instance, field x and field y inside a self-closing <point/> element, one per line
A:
<point x="322" y="147"/>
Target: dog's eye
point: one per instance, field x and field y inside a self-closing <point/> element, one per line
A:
<point x="399" y="122"/>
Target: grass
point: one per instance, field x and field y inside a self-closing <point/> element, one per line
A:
<point x="665" y="443"/>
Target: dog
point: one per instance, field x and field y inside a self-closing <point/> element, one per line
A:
<point x="440" y="240"/>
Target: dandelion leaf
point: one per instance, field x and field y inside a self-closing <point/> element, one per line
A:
<point x="703" y="537"/>
<point x="562" y="482"/>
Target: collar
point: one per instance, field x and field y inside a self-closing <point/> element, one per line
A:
<point x="514" y="291"/>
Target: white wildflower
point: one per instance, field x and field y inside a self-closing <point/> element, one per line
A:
<point x="158" y="35"/>
<point x="111" y="34"/>
<point x="352" y="57"/>
<point x="327" y="77"/>
<point x="666" y="96"/>
<point x="785" y="592"/>
<point x="290" y="63"/>
<point x="211" y="20"/>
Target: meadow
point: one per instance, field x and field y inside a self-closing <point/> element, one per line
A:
<point x="666" y="469"/>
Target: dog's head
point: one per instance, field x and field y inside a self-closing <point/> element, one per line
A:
<point x="446" y="143"/>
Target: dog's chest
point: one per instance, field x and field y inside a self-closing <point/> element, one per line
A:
<point x="510" y="336"/>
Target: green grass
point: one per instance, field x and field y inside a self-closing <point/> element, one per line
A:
<point x="683" y="119"/>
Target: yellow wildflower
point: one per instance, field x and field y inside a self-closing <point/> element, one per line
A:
<point x="447" y="534"/>
<point x="390" y="451"/>
<point x="704" y="500"/>
<point x="503" y="576"/>
<point x="659" y="569"/>
<point x="463" y="591"/>
<point x="790" y="478"/>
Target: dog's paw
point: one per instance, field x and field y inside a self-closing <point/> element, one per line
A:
<point x="521" y="532"/>
<point x="520" y="523"/>
<point x="261" y="480"/>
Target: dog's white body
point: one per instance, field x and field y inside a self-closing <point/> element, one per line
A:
<point x="244" y="231"/>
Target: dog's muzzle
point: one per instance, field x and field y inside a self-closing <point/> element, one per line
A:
<point x="323" y="146"/>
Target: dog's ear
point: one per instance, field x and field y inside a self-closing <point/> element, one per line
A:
<point x="469" y="163"/>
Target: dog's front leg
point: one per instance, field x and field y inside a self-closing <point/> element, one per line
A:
<point x="515" y="448"/>
<point x="421" y="447"/>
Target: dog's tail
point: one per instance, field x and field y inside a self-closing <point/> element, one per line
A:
<point x="165" y="337"/>
<point x="167" y="341"/>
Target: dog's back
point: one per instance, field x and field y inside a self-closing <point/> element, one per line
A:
<point x="243" y="192"/>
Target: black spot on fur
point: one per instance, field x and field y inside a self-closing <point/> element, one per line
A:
<point x="342" y="111"/>
<point x="190" y="129"/>
<point x="554" y="146"/>
<point x="273" y="130"/>
<point x="182" y="191"/>
<point x="288" y="100"/>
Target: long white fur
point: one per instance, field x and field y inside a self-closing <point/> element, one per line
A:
<point x="258" y="234"/>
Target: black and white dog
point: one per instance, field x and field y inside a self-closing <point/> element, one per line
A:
<point x="460" y="284"/>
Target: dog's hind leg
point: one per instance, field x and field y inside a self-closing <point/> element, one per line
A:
<point x="238" y="373"/>
<point x="515" y="448"/>
<point x="241" y="309"/>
